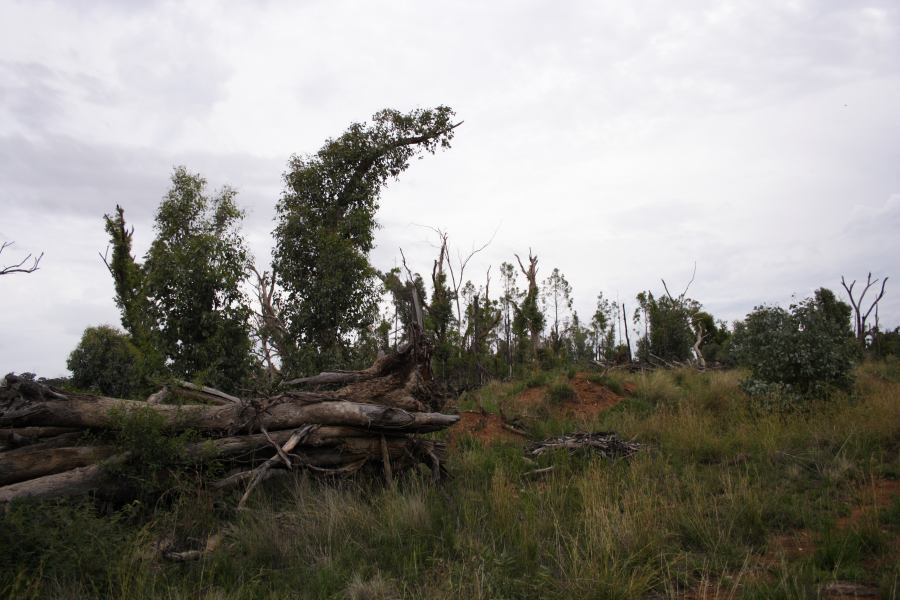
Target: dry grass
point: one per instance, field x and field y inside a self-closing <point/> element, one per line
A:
<point x="697" y="514"/>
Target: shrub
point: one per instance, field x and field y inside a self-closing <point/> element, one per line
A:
<point x="608" y="382"/>
<point x="807" y="350"/>
<point x="536" y="380"/>
<point x="560" y="392"/>
<point x="106" y="361"/>
<point x="155" y="451"/>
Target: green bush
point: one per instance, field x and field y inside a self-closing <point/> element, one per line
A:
<point x="560" y="392"/>
<point x="608" y="382"/>
<point x="154" y="450"/>
<point x="536" y="380"/>
<point x="106" y="361"/>
<point x="807" y="350"/>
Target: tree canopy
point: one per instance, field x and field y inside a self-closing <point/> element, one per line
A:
<point x="326" y="225"/>
<point x="183" y="306"/>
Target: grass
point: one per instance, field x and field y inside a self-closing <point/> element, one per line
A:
<point x="699" y="510"/>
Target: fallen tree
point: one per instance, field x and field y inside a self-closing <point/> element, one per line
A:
<point x="55" y="443"/>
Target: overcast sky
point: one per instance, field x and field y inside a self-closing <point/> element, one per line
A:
<point x="621" y="141"/>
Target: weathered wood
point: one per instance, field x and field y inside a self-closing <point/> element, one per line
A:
<point x="76" y="482"/>
<point x="28" y="463"/>
<point x="325" y="430"/>
<point x="14" y="437"/>
<point x="282" y="413"/>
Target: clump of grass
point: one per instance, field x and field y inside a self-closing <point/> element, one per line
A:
<point x="658" y="387"/>
<point x="559" y="393"/>
<point x="538" y="379"/>
<point x="610" y="383"/>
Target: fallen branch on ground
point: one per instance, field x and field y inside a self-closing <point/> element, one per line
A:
<point x="607" y="444"/>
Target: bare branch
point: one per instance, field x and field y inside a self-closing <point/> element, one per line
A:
<point x="20" y="267"/>
<point x="860" y="317"/>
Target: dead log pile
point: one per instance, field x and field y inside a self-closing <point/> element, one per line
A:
<point x="57" y="443"/>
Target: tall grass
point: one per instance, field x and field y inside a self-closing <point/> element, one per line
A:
<point x="695" y="512"/>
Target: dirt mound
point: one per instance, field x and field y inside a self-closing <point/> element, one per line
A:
<point x="591" y="398"/>
<point x="485" y="427"/>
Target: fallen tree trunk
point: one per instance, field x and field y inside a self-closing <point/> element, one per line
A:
<point x="75" y="482"/>
<point x="15" y="437"/>
<point x="373" y="419"/>
<point x="281" y="412"/>
<point x="28" y="463"/>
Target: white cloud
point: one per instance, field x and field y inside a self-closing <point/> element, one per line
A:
<point x="622" y="142"/>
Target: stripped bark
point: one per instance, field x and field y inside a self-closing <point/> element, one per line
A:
<point x="371" y="420"/>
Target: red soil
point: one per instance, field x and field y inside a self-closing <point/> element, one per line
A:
<point x="482" y="426"/>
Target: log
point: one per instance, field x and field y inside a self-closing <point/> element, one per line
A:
<point x="28" y="463"/>
<point x="76" y="482"/>
<point x="84" y="411"/>
<point x="322" y="428"/>
<point x="14" y="437"/>
<point x="39" y="460"/>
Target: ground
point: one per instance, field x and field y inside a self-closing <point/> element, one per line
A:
<point x="727" y="498"/>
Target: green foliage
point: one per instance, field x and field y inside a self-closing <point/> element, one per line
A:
<point x="602" y="333"/>
<point x="610" y="383"/>
<point x="127" y="277"/>
<point x="807" y="350"/>
<point x="557" y="300"/>
<point x="52" y="544"/>
<point x="439" y="318"/>
<point x="183" y="306"/>
<point x="669" y="336"/>
<point x="153" y="449"/>
<point x="401" y="294"/>
<point x="326" y="226"/>
<point x="885" y="343"/>
<point x="529" y="321"/>
<point x="107" y="362"/>
<point x="537" y="379"/>
<point x="559" y="393"/>
<point x="701" y="508"/>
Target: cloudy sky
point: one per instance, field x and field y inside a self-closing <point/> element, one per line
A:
<point x="621" y="141"/>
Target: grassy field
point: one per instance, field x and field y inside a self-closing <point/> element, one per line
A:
<point x="729" y="498"/>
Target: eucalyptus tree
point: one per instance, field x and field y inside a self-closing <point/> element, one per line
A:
<point x="558" y="298"/>
<point x="603" y="329"/>
<point x="529" y="320"/>
<point x="184" y="306"/>
<point x="326" y="225"/>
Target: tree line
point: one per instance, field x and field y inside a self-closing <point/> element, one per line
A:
<point x="196" y="307"/>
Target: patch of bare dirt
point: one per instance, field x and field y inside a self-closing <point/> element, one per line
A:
<point x="529" y="399"/>
<point x="877" y="494"/>
<point x="485" y="427"/>
<point x="590" y="398"/>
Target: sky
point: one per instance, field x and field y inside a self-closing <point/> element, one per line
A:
<point x="622" y="142"/>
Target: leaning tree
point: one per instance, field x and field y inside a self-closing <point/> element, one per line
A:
<point x="326" y="227"/>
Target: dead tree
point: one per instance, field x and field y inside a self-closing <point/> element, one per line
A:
<point x="333" y="423"/>
<point x="269" y="329"/>
<point x="29" y="264"/>
<point x="456" y="276"/>
<point x="625" y="328"/>
<point x="534" y="321"/>
<point x="860" y="316"/>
